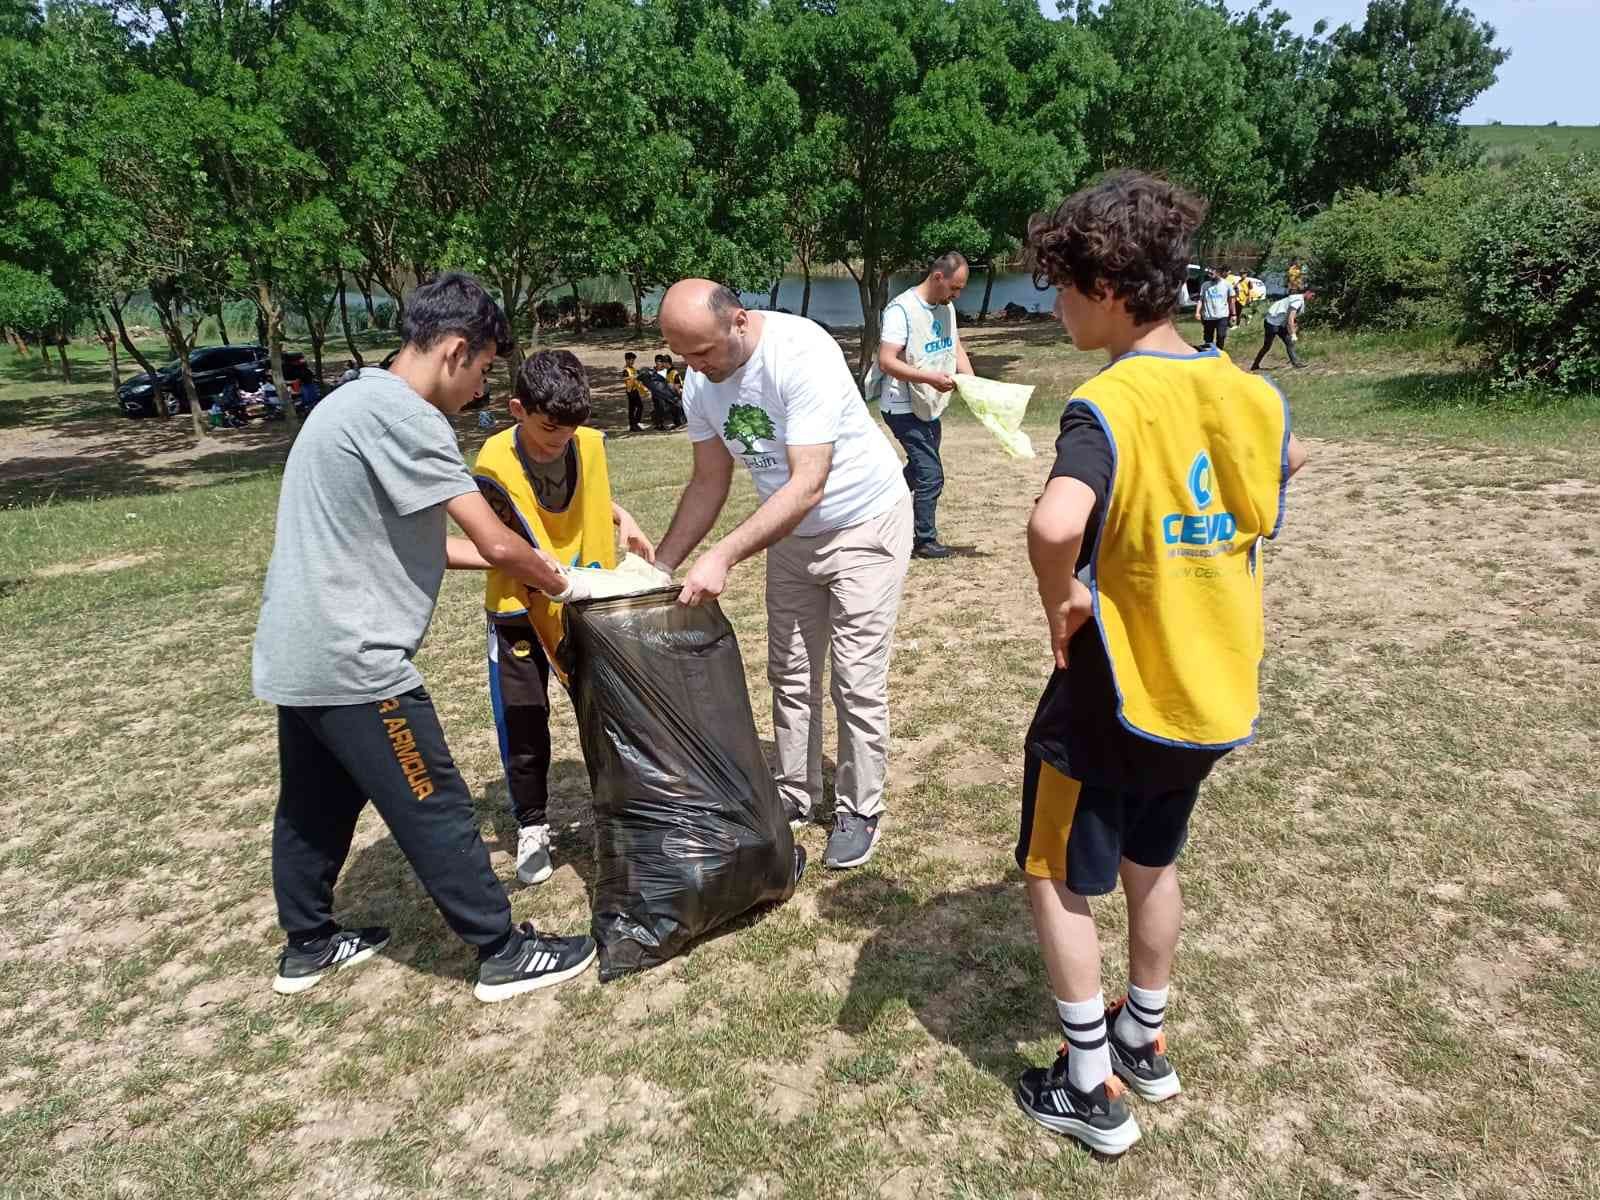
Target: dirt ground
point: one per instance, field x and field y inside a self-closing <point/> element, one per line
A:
<point x="1387" y="987"/>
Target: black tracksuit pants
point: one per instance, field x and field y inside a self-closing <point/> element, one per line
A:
<point x="332" y="761"/>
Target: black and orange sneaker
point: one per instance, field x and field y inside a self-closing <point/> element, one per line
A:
<point x="1145" y="1068"/>
<point x="1098" y="1118"/>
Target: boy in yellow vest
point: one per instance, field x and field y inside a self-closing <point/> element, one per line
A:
<point x="1171" y="467"/>
<point x="546" y="479"/>
<point x="635" y="391"/>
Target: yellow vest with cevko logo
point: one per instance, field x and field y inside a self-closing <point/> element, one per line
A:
<point x="580" y="535"/>
<point x="1199" y="453"/>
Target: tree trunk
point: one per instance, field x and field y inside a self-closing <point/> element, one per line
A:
<point x="577" y="310"/>
<point x="805" y="295"/>
<point x="17" y="343"/>
<point x="344" y="323"/>
<point x="172" y="325"/>
<point x="873" y="286"/>
<point x="988" y="291"/>
<point x="269" y="314"/>
<point x="262" y="333"/>
<point x="533" y="319"/>
<point x="222" y="324"/>
<point x="772" y="296"/>
<point x="637" y="285"/>
<point x="365" y="284"/>
<point x="127" y="342"/>
<point x="44" y="357"/>
<point x="61" y="349"/>
<point x="109" y="341"/>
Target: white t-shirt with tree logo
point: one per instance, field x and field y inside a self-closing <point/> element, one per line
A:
<point x="797" y="388"/>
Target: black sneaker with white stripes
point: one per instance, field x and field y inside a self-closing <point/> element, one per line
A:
<point x="1098" y="1118"/>
<point x="532" y="960"/>
<point x="1144" y="1068"/>
<point x="303" y="967"/>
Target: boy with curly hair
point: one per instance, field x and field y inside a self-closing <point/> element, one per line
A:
<point x="1171" y="466"/>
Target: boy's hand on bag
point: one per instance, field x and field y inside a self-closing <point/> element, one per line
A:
<point x="634" y="540"/>
<point x="1066" y="615"/>
<point x="577" y="589"/>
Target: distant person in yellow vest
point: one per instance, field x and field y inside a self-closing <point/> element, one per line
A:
<point x="1171" y="467"/>
<point x="546" y="480"/>
<point x="636" y="392"/>
<point x="1295" y="277"/>
<point x="918" y="355"/>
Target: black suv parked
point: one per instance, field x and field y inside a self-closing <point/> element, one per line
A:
<point x="217" y="370"/>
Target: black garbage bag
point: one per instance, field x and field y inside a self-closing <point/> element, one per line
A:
<point x="689" y="829"/>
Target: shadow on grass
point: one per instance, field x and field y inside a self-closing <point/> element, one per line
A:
<point x="964" y="962"/>
<point x="378" y="885"/>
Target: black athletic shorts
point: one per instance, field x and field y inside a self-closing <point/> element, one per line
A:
<point x="1079" y="834"/>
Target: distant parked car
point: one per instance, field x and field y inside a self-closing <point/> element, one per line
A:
<point x="220" y="372"/>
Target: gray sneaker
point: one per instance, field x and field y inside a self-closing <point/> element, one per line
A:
<point x="852" y="841"/>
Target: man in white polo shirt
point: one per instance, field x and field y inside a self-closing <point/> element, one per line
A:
<point x="918" y="356"/>
<point x="774" y="391"/>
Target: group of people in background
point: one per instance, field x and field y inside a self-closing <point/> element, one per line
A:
<point x="1227" y="298"/>
<point x="661" y="384"/>
<point x="1171" y="469"/>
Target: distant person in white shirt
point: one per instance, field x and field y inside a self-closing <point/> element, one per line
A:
<point x="919" y="353"/>
<point x="1283" y="322"/>
<point x="1217" y="307"/>
<point x="774" y="391"/>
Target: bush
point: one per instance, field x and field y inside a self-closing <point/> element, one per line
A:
<point x="1535" y="260"/>
<point x="1390" y="261"/>
<point x="383" y="315"/>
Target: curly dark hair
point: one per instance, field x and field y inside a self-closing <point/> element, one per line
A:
<point x="1130" y="231"/>
<point x="553" y="382"/>
<point x="455" y="303"/>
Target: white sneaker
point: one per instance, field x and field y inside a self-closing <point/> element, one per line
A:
<point x="533" y="854"/>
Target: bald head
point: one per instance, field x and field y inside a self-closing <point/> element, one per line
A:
<point x="698" y="302"/>
<point x="706" y="324"/>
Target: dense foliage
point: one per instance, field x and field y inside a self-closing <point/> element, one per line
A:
<point x="280" y="152"/>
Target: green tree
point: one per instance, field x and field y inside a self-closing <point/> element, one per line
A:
<point x="1533" y="271"/>
<point x="1396" y="89"/>
<point x="747" y="424"/>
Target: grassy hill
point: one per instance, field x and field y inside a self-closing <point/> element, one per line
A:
<point x="1505" y="144"/>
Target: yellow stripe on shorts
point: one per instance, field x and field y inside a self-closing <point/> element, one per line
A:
<point x="1055" y="802"/>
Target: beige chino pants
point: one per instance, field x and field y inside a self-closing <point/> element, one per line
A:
<point x="835" y="596"/>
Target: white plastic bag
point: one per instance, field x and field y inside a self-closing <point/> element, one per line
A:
<point x="630" y="577"/>
<point x="1000" y="408"/>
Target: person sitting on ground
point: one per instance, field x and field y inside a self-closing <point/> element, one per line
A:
<point x="1283" y="322"/>
<point x="361" y="550"/>
<point x="350" y="374"/>
<point x="546" y="480"/>
<point x="1171" y="467"/>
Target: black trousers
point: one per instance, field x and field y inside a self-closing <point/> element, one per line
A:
<point x="1216" y="331"/>
<point x="332" y="761"/>
<point x="1275" y="331"/>
<point x="519" y="693"/>
<point x="635" y="410"/>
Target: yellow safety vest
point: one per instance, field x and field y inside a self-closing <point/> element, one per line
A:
<point x="630" y="382"/>
<point x="582" y="534"/>
<point x="1199" y="466"/>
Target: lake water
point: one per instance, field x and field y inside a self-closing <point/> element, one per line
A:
<point x="837" y="302"/>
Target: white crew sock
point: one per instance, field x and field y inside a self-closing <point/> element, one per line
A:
<point x="1083" y="1024"/>
<point x="1139" y="1023"/>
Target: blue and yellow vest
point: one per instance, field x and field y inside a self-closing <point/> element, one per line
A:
<point x="582" y="534"/>
<point x="1199" y="454"/>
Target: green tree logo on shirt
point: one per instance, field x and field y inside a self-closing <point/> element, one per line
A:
<point x="747" y="424"/>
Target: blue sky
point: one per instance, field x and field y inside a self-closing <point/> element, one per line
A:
<point x="1553" y="46"/>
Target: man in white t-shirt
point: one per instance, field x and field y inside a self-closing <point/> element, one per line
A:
<point x="1283" y="321"/>
<point x="919" y="353"/>
<point x="774" y="391"/>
